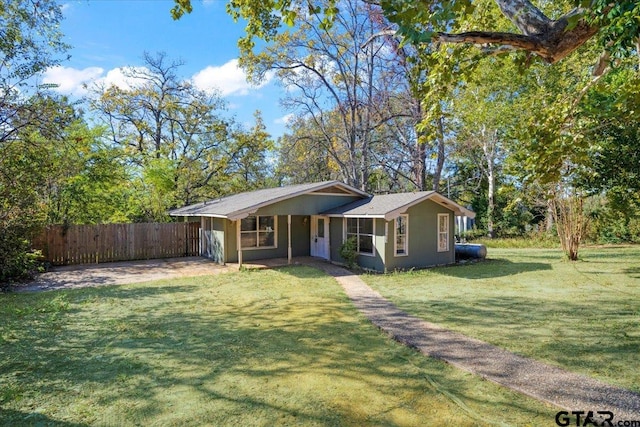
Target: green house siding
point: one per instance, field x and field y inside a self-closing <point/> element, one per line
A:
<point x="335" y="239"/>
<point x="300" y="240"/>
<point x="375" y="262"/>
<point x="307" y="204"/>
<point x="230" y="239"/>
<point x="300" y="235"/>
<point x="212" y="245"/>
<point x="423" y="238"/>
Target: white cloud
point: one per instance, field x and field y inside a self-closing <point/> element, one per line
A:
<point x="284" y="120"/>
<point x="228" y="79"/>
<point x="123" y="77"/>
<point x="71" y="81"/>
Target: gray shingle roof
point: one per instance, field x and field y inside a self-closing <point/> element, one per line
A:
<point x="389" y="206"/>
<point x="235" y="205"/>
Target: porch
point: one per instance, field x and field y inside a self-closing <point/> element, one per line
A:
<point x="255" y="239"/>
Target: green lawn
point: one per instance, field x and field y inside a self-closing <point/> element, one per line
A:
<point x="279" y="347"/>
<point x="583" y="316"/>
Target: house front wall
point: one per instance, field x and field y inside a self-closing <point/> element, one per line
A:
<point x="371" y="262"/>
<point x="212" y="239"/>
<point x="219" y="236"/>
<point x="423" y="239"/>
<point x="336" y="237"/>
<point x="300" y="208"/>
<point x="300" y="240"/>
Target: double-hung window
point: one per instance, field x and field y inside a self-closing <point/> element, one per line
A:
<point x="402" y="235"/>
<point x="443" y="232"/>
<point x="362" y="230"/>
<point x="258" y="232"/>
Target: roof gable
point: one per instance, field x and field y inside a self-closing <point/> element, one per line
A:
<point x="336" y="190"/>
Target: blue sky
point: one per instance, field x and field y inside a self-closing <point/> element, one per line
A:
<point x="107" y="35"/>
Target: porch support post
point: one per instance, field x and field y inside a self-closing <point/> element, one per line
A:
<point x="201" y="236"/>
<point x="289" y="239"/>
<point x="238" y="243"/>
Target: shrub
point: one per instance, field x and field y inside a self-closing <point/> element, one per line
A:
<point x="17" y="260"/>
<point x="348" y="251"/>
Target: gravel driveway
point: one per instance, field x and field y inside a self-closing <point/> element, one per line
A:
<point x="119" y="273"/>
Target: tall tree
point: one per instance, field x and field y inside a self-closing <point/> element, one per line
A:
<point x="87" y="181"/>
<point x="176" y="140"/>
<point x="357" y="90"/>
<point x="250" y="164"/>
<point x="484" y="113"/>
<point x="333" y="79"/>
<point x="609" y="119"/>
<point x="552" y="144"/>
<point x="30" y="41"/>
<point x="301" y="158"/>
<point x="167" y="129"/>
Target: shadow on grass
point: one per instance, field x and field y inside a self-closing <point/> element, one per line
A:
<point x="156" y="348"/>
<point x="35" y="419"/>
<point x="597" y="338"/>
<point x="491" y="268"/>
<point x="633" y="272"/>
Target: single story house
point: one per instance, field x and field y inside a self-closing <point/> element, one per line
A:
<point x="392" y="231"/>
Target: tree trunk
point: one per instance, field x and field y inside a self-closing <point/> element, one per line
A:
<point x="437" y="174"/>
<point x="489" y="150"/>
<point x="420" y="165"/>
<point x="491" y="196"/>
<point x="549" y="219"/>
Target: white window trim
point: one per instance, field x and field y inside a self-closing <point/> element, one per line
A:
<point x="438" y="232"/>
<point x="257" y="248"/>
<point x="406" y="236"/>
<point x="373" y="236"/>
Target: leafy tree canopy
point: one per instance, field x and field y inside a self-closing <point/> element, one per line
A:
<point x="550" y="30"/>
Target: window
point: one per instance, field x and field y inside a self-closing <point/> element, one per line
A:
<point x="320" y="230"/>
<point x="443" y="232"/>
<point x="402" y="235"/>
<point x="362" y="230"/>
<point x="258" y="232"/>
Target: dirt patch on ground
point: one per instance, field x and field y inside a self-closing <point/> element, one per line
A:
<point x="119" y="273"/>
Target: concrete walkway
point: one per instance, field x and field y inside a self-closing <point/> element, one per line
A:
<point x="567" y="390"/>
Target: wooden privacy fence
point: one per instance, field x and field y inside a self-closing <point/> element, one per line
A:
<point x="87" y="244"/>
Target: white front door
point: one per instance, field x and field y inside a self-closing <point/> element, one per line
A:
<point x="320" y="236"/>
